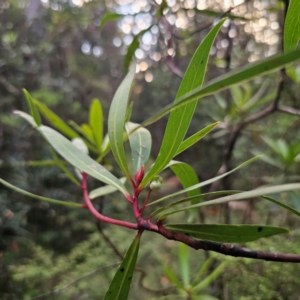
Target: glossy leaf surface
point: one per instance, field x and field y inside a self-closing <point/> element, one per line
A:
<point x="292" y="26"/>
<point x="181" y="118"/>
<point x="226" y="233"/>
<point x="193" y="139"/>
<point x="225" y="81"/>
<point x="120" y="285"/>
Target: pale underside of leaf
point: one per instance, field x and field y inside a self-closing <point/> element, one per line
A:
<point x="79" y="159"/>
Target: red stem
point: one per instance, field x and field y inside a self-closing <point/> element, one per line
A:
<point x="99" y="216"/>
<point x="146" y="201"/>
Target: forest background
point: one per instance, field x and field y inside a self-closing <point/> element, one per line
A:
<point x="68" y="53"/>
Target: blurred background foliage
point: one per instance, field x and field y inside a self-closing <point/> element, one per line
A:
<point x="68" y="52"/>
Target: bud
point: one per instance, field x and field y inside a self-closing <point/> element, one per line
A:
<point x="156" y="183"/>
<point x="139" y="175"/>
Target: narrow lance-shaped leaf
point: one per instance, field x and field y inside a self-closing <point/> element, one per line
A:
<point x="96" y="122"/>
<point x="79" y="159"/>
<point x="292" y="26"/>
<point x="184" y="263"/>
<point x="33" y="109"/>
<point x="109" y="17"/>
<point x="120" y="285"/>
<point x="88" y="132"/>
<point x="203" y="270"/>
<point x="209" y="279"/>
<point x="180" y="119"/>
<point x="41" y="198"/>
<point x="188" y="177"/>
<point x="55" y="120"/>
<point x="140" y="144"/>
<point x="193" y="139"/>
<point x="172" y="278"/>
<point x="192" y="200"/>
<point x="204" y="183"/>
<point x="116" y="120"/>
<point x="83" y="134"/>
<point x="261" y="192"/>
<point x="225" y="81"/>
<point x="230" y="192"/>
<point x="226" y="233"/>
<point x="26" y="117"/>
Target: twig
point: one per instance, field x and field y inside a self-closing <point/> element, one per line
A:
<point x="73" y="282"/>
<point x="205" y="26"/>
<point x="9" y="87"/>
<point x="289" y="110"/>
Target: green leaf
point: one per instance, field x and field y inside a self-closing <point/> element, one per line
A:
<point x="80" y="160"/>
<point x="172" y="278"/>
<point x="192" y="199"/>
<point x="41" y="198"/>
<point x="26" y="117"/>
<point x="261" y="192"/>
<point x="56" y="121"/>
<point x="226" y="233"/>
<point x="62" y="166"/>
<point x="88" y="140"/>
<point x="204" y="269"/>
<point x="292" y="26"/>
<point x="109" y="17"/>
<point x="217" y="14"/>
<point x="33" y="109"/>
<point x="130" y="52"/>
<point x="225" y="81"/>
<point x="287" y="207"/>
<point x="184" y="264"/>
<point x="210" y="278"/>
<point x="140" y="144"/>
<point x="181" y="118"/>
<point x="116" y="120"/>
<point x="186" y="175"/>
<point x="96" y="122"/>
<point x="190" y="141"/>
<point x="204" y="183"/>
<point x="88" y="132"/>
<point x="120" y="285"/>
<point x="104" y="190"/>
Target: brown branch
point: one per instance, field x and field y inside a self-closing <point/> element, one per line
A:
<point x="205" y="26"/>
<point x="227" y="249"/>
<point x="289" y="110"/>
<point x="173" y="68"/>
<point x="9" y="87"/>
